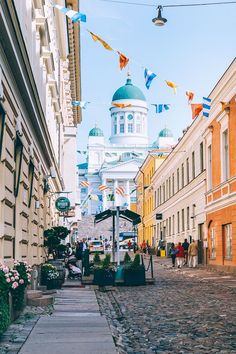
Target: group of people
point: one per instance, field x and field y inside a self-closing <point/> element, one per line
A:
<point x="184" y="254"/>
<point x="75" y="257"/>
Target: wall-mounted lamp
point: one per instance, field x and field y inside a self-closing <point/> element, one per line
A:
<point x="159" y="20"/>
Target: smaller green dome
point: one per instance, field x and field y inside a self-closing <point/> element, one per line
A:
<point x="96" y="132"/>
<point x="165" y="133"/>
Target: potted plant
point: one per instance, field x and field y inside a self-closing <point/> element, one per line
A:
<point x="134" y="272"/>
<point x="50" y="277"/>
<point x="53" y="238"/>
<point x="104" y="272"/>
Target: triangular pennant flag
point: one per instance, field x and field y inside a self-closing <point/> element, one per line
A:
<point x="172" y="85"/>
<point x="81" y="104"/>
<point x="206" y="106"/>
<point x="121" y="105"/>
<point x="75" y="16"/>
<point x="196" y="109"/>
<point x="161" y="107"/>
<point x="123" y="60"/>
<point x="103" y="43"/>
<point x="149" y="76"/>
<point x="190" y="96"/>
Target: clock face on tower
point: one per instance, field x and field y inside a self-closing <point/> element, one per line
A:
<point x="130" y="117"/>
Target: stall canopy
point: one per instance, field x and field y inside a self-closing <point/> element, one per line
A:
<point x="124" y="214"/>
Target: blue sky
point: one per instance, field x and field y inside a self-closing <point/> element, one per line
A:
<point x="193" y="49"/>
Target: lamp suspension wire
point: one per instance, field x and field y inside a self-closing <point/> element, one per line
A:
<point x="174" y="5"/>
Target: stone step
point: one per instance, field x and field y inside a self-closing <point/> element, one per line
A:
<point x="42" y="288"/>
<point x="34" y="294"/>
<point x="45" y="300"/>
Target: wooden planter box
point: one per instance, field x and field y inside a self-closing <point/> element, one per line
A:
<point x="104" y="277"/>
<point x="134" y="277"/>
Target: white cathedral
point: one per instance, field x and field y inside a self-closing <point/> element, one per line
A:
<point x="117" y="163"/>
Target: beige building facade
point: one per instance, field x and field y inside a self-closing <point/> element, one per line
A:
<point x="38" y="82"/>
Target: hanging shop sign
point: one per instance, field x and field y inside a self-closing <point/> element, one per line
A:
<point x="62" y="204"/>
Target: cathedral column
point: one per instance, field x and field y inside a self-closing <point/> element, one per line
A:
<point x="104" y="195"/>
<point x="127" y="193"/>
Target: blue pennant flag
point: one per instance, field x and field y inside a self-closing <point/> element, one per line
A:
<point x="81" y="104"/>
<point x="149" y="76"/>
<point x="206" y="106"/>
<point x="75" y="16"/>
<point x="161" y="107"/>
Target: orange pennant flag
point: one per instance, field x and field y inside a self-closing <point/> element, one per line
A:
<point x="190" y="96"/>
<point x="196" y="109"/>
<point x="121" y="105"/>
<point x="103" y="43"/>
<point x="123" y="60"/>
<point x="224" y="105"/>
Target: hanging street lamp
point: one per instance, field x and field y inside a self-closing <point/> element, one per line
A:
<point x="159" y="20"/>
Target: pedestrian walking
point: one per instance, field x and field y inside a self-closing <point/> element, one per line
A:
<point x="79" y="254"/>
<point x="185" y="245"/>
<point x="129" y="244"/>
<point x="144" y="247"/>
<point x="192" y="254"/>
<point x="172" y="253"/>
<point x="180" y="255"/>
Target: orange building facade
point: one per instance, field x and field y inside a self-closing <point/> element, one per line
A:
<point x="220" y="139"/>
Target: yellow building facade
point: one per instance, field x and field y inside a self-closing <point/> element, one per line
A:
<point x="145" y="196"/>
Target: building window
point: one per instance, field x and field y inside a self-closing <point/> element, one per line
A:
<point x="83" y="190"/>
<point x="187" y="170"/>
<point x="213" y="243"/>
<point x="169" y="225"/>
<point x="173" y="184"/>
<point x="160" y="195"/>
<point x="182" y="168"/>
<point x="169" y="187"/>
<point x="31" y="182"/>
<point x="178" y="228"/>
<point x="201" y="158"/>
<point x="194" y="216"/>
<point x="193" y="165"/>
<point x="130" y="128"/>
<point x="2" y="124"/>
<point x="155" y="199"/>
<point x="188" y="218"/>
<point x="183" y="223"/>
<point x="209" y="167"/>
<point x="18" y="163"/>
<point x="122" y="128"/>
<point x="227" y="234"/>
<point x="121" y="118"/>
<point x="177" y="179"/>
<point x="173" y="224"/>
<point x="167" y="190"/>
<point x="225" y="156"/>
<point x="115" y="129"/>
<point x="138" y="128"/>
<point x="164" y="193"/>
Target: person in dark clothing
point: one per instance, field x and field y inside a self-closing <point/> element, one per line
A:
<point x="172" y="253"/>
<point x="79" y="253"/>
<point x="186" y="247"/>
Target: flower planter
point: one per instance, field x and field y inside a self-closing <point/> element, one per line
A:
<point x="54" y="284"/>
<point x="104" y="277"/>
<point x="134" y="277"/>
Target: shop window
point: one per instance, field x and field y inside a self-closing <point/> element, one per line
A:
<point x="18" y="163"/>
<point x="227" y="234"/>
<point x="2" y="124"/>
<point x="213" y="243"/>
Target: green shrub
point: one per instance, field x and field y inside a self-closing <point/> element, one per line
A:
<point x="106" y="263"/>
<point x="4" y="312"/>
<point x="127" y="258"/>
<point x="96" y="258"/>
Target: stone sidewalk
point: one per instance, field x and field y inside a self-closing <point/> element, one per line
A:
<point x="76" y="326"/>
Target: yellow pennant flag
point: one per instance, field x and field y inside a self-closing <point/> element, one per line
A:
<point x="172" y="85"/>
<point x="103" y="43"/>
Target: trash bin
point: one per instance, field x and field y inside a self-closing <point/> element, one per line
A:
<point x="163" y="253"/>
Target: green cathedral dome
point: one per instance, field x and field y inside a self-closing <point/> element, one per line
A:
<point x="165" y="133"/>
<point x="96" y="132"/>
<point x="128" y="92"/>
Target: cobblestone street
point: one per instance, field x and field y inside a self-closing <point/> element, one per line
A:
<point x="186" y="311"/>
